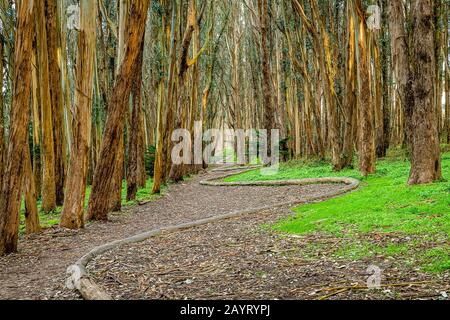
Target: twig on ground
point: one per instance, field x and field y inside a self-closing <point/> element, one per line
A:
<point x="360" y="287"/>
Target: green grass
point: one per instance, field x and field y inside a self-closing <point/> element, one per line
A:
<point x="384" y="204"/>
<point x="361" y="250"/>
<point x="51" y="219"/>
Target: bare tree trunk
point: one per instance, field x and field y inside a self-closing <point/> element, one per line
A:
<point x="400" y="55"/>
<point x="386" y="78"/>
<point x="165" y="108"/>
<point x="72" y="214"/>
<point x="447" y="82"/>
<point x="378" y="97"/>
<point x="2" y="117"/>
<point x="12" y="181"/>
<point x="135" y="130"/>
<point x="165" y="123"/>
<point x="67" y="105"/>
<point x="36" y="112"/>
<point x="447" y="103"/>
<point x="102" y="185"/>
<point x="439" y="26"/>
<point x="163" y="118"/>
<point x="141" y="171"/>
<point x="48" y="179"/>
<point x="351" y="91"/>
<point x="158" y="167"/>
<point x="117" y="177"/>
<point x="426" y="153"/>
<point x="269" y="112"/>
<point x="31" y="209"/>
<point x="176" y="170"/>
<point x="57" y="102"/>
<point x="170" y="100"/>
<point x="116" y="193"/>
<point x="366" y="107"/>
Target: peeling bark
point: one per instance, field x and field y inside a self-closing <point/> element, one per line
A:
<point x="102" y="185"/>
<point x="12" y="181"/>
<point x="73" y="210"/>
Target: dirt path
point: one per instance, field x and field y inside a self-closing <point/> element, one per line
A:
<point x="238" y="259"/>
<point x="38" y="271"/>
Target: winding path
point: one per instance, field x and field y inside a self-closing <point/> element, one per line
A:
<point x="38" y="271"/>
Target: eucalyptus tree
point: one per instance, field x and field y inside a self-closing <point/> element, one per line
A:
<point x="425" y="142"/>
<point x="102" y="186"/>
<point x="17" y="150"/>
<point x="48" y="144"/>
<point x="73" y="210"/>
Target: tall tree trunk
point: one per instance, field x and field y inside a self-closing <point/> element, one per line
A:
<point x="37" y="133"/>
<point x="351" y="90"/>
<point x="166" y="123"/>
<point x="447" y="103"/>
<point x="269" y="112"/>
<point x="386" y="78"/>
<point x="439" y="26"/>
<point x="116" y="192"/>
<point x="119" y="170"/>
<point x="378" y="96"/>
<point x="2" y="116"/>
<point x="135" y="130"/>
<point x="57" y="102"/>
<point x="31" y="209"/>
<point x="48" y="179"/>
<point x="72" y="214"/>
<point x="400" y="56"/>
<point x="176" y="170"/>
<point x="425" y="146"/>
<point x="141" y="171"/>
<point x="67" y="104"/>
<point x="158" y="167"/>
<point x="447" y="80"/>
<point x="12" y="181"/>
<point x="102" y="185"/>
<point x="366" y="106"/>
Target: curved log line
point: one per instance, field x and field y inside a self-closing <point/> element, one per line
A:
<point x="235" y="168"/>
<point x="79" y="278"/>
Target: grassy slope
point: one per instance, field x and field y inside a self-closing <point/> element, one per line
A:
<point x="385" y="205"/>
<point x="53" y="218"/>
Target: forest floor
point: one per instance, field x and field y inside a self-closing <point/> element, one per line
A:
<point x="317" y="251"/>
<point x="327" y="250"/>
<point x="385" y="206"/>
<point x="237" y="259"/>
<point x="38" y="271"/>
